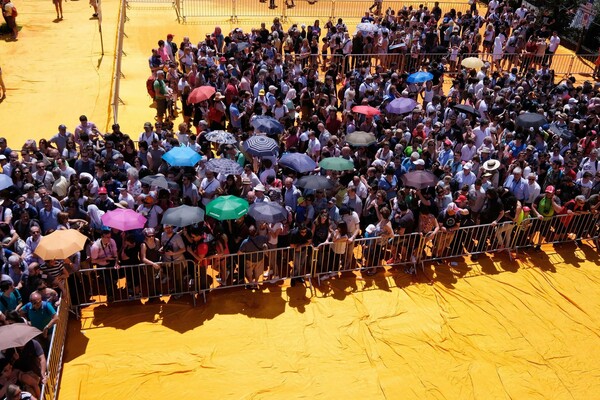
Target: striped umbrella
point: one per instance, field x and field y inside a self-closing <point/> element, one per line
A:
<point x="220" y="137"/>
<point x="261" y="146"/>
<point x="224" y="166"/>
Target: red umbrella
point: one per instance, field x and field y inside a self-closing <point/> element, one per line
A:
<point x="366" y="110"/>
<point x="201" y="94"/>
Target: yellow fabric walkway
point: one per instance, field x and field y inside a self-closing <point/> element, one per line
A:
<point x="495" y="330"/>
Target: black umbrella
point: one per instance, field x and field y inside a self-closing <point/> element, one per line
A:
<point x="530" y="120"/>
<point x="419" y="179"/>
<point x="159" y="181"/>
<point x="463" y="108"/>
<point x="315" y="182"/>
<point x="568" y="136"/>
<point x="183" y="216"/>
<point x="269" y="212"/>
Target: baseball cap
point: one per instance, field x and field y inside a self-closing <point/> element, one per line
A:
<point x="419" y="162"/>
<point x="261" y="92"/>
<point x="170" y="35"/>
<point x="300" y="200"/>
<point x="332" y="200"/>
<point x="468" y="166"/>
<point x="462" y="197"/>
<point x="447" y="142"/>
<point x="550" y="189"/>
<point x="102" y="190"/>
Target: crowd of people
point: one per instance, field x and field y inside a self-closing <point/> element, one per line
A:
<point x="489" y="167"/>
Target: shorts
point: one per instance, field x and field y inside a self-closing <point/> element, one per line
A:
<point x="161" y="107"/>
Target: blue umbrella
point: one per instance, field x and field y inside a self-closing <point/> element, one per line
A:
<point x="401" y="105"/>
<point x="268" y="125"/>
<point x="419" y="77"/>
<point x="182" y="157"/>
<point x="5" y="182"/>
<point x="298" y="162"/>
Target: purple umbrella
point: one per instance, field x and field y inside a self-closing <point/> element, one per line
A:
<point x="123" y="219"/>
<point x="401" y="105"/>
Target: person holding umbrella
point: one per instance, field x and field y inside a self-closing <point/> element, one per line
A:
<point x="254" y="244"/>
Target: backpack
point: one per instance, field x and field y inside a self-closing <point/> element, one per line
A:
<point x="150" y="86"/>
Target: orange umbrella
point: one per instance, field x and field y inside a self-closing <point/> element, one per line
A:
<point x="201" y="94"/>
<point x="60" y="244"/>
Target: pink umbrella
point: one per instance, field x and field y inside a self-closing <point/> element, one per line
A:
<point x="123" y="219"/>
<point x="366" y="110"/>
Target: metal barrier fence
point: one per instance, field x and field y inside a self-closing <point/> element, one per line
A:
<point x="534" y="232"/>
<point x="301" y="10"/>
<point x="98" y="285"/>
<point x="274" y="265"/>
<point x="57" y="347"/>
<point x="222" y="271"/>
<point x="560" y="64"/>
<point x="151" y="4"/>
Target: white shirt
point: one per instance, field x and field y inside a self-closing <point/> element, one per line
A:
<point x="467" y="153"/>
<point x="554" y="43"/>
<point x="534" y="192"/>
<point x="209" y="187"/>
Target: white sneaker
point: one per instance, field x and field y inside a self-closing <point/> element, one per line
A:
<point x="324" y="277"/>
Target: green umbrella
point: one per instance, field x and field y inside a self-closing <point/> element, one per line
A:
<point x="336" y="164"/>
<point x="227" y="207"/>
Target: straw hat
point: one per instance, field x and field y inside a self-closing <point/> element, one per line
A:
<point x="491" y="165"/>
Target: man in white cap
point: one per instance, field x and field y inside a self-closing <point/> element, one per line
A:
<point x="534" y="188"/>
<point x="259" y="192"/>
<point x="517" y="185"/>
<point x="465" y="176"/>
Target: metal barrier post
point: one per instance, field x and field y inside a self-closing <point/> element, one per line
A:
<point x="118" y="74"/>
<point x="57" y="347"/>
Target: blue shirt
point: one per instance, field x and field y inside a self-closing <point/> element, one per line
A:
<point x="12" y="301"/>
<point x="41" y="317"/>
<point x="49" y="219"/>
<point x="520" y="188"/>
<point x="236" y="122"/>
